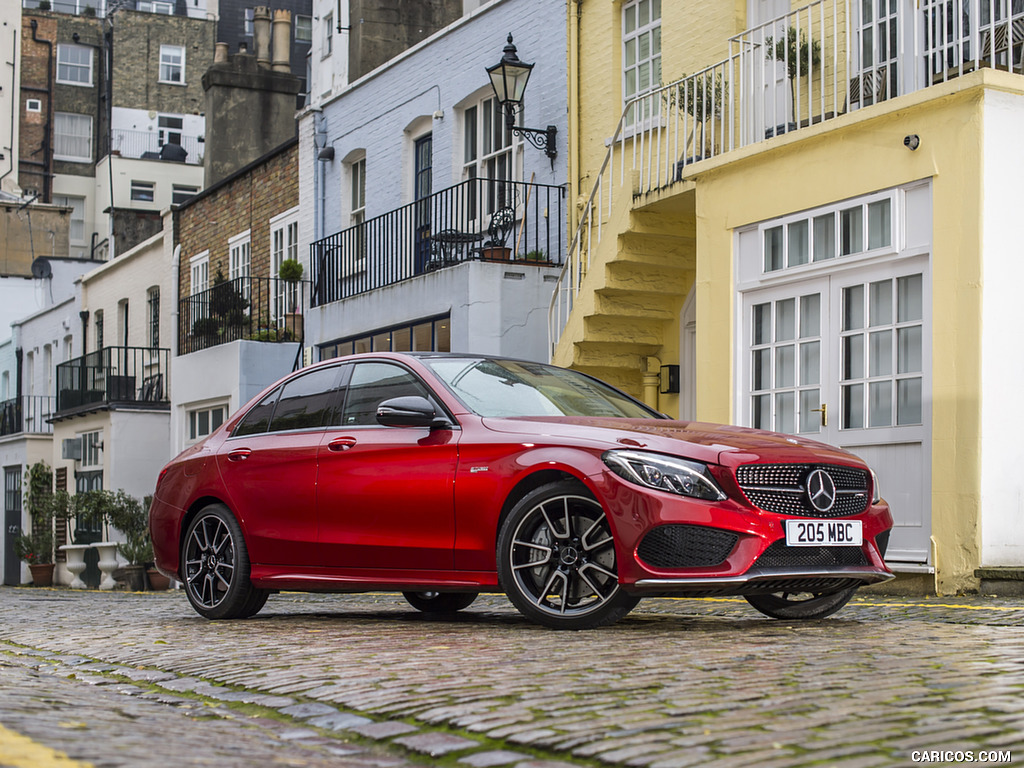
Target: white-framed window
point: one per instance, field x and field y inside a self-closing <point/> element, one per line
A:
<point x="847" y="229"/>
<point x="74" y="64"/>
<point x="72" y="137"/>
<point x="239" y="255"/>
<point x="303" y="29"/>
<point x="284" y="244"/>
<point x="76" y="229"/>
<point x="33" y="105"/>
<point x="172" y="64"/>
<point x="357" y="186"/>
<point x="199" y="269"/>
<point x="248" y="22"/>
<point x="641" y="54"/>
<point x="489" y="151"/>
<point x="155" y="6"/>
<point x="203" y="421"/>
<point x="169" y="129"/>
<point x="92" y="449"/>
<point x="327" y="46"/>
<point x="143" y="191"/>
<point x="182" y="192"/>
<point x="153" y="313"/>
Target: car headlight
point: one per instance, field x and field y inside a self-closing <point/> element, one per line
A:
<point x="877" y="493"/>
<point x="665" y="473"/>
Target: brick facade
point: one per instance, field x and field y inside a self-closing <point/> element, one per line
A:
<point x="137" y="40"/>
<point x="246" y="201"/>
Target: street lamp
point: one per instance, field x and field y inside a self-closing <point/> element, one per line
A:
<point x="508" y="78"/>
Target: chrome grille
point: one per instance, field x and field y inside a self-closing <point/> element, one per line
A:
<point x="782" y="488"/>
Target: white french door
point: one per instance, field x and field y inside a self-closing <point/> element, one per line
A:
<point x="843" y="358"/>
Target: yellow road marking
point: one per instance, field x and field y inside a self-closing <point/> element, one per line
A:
<point x="875" y="605"/>
<point x="19" y="751"/>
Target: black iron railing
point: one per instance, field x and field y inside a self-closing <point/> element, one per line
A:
<point x="28" y="413"/>
<point x="114" y="375"/>
<point x="256" y="308"/>
<point x="485" y="219"/>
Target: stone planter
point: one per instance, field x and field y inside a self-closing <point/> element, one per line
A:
<point x="42" y="574"/>
<point x="107" y="563"/>
<point x="75" y="563"/>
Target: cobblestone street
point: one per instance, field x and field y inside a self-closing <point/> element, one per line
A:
<point x="115" y="679"/>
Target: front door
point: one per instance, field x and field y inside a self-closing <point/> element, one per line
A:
<point x="842" y="358"/>
<point x="386" y="494"/>
<point x="12" y="524"/>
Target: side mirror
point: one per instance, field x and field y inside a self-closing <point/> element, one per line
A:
<point x="409" y="411"/>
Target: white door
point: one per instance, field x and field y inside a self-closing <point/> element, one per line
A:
<point x="842" y="358"/>
<point x="770" y="110"/>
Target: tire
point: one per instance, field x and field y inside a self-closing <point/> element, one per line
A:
<point x="215" y="566"/>
<point x="556" y="559"/>
<point x="800" y="605"/>
<point x="440" y="602"/>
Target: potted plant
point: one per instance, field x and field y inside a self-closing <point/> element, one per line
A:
<point x="799" y="56"/>
<point x="291" y="272"/>
<point x="36" y="547"/>
<point x="131" y="517"/>
<point x="535" y="255"/>
<point x="703" y="98"/>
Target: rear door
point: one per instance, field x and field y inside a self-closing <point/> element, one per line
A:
<point x="269" y="466"/>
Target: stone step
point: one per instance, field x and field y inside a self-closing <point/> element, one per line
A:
<point x="643" y="278"/>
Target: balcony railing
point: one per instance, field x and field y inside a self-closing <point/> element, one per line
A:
<point x="146" y="145"/>
<point x="805" y="67"/>
<point x="28" y="413"/>
<point x="134" y="376"/>
<point x="484" y="219"/>
<point x="255" y="308"/>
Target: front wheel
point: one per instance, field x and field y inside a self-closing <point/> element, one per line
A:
<point x="440" y="602"/>
<point x="215" y="564"/>
<point x="556" y="559"/>
<point x="800" y="605"/>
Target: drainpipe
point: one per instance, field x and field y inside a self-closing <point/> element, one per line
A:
<point x="651" y="378"/>
<point x="14" y="89"/>
<point x="47" y="156"/>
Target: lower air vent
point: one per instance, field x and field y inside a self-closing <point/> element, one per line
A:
<point x="686" y="546"/>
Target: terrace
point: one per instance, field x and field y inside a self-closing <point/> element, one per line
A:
<point x="26" y="414"/>
<point x="491" y="220"/>
<point x="132" y="377"/>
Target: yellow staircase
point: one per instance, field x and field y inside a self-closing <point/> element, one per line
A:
<point x="625" y="317"/>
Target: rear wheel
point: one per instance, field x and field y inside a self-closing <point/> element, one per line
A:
<point x="215" y="564"/>
<point x="556" y="559"/>
<point x="440" y="602"/>
<point x="800" y="605"/>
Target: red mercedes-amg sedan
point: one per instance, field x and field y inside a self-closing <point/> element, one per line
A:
<point x="446" y="475"/>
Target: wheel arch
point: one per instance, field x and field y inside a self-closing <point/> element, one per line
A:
<point x="530" y="483"/>
<point x="194" y="509"/>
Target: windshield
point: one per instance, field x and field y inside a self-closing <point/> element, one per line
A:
<point x="504" y="388"/>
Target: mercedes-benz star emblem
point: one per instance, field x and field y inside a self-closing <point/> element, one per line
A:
<point x="821" y="490"/>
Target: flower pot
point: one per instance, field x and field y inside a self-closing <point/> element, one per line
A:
<point x="135" y="577"/>
<point x="157" y="581"/>
<point x="293" y="325"/>
<point x="492" y="253"/>
<point x="42" y="574"/>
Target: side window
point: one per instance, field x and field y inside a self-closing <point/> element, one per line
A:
<point x="371" y="385"/>
<point x="307" y="401"/>
<point x="257" y="420"/>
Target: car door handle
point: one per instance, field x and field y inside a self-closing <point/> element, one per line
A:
<point x="239" y="454"/>
<point x="340" y="444"/>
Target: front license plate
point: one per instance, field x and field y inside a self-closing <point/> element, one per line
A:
<point x="814" y="533"/>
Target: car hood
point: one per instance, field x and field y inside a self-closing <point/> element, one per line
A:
<point x="710" y="443"/>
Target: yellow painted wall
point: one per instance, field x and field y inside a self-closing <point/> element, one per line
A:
<point x="695" y="34"/>
<point x="854" y="155"/>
